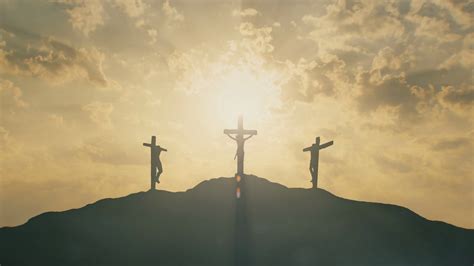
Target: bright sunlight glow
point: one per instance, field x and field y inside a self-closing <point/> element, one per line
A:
<point x="246" y="92"/>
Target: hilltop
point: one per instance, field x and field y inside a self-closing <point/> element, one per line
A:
<point x="207" y="225"/>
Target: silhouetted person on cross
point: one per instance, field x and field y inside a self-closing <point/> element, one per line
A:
<point x="240" y="146"/>
<point x="157" y="163"/>
<point x="156" y="166"/>
<point x="314" y="161"/>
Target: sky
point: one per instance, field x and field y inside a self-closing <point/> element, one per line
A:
<point x="83" y="83"/>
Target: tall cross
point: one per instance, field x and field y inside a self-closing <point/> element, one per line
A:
<point x="240" y="137"/>
<point x="314" y="162"/>
<point x="155" y="162"/>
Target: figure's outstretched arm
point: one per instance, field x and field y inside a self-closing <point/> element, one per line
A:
<point x="248" y="137"/>
<point x="163" y="149"/>
<point x="228" y="135"/>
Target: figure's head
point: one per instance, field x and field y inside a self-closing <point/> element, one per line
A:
<point x="317" y="139"/>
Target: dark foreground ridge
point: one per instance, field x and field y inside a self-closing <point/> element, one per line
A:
<point x="269" y="225"/>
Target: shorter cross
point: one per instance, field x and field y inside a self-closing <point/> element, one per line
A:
<point x="156" y="167"/>
<point x="314" y="162"/>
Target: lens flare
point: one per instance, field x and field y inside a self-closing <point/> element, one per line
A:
<point x="238" y="193"/>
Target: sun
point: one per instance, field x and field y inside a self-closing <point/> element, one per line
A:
<point x="232" y="84"/>
<point x="246" y="91"/>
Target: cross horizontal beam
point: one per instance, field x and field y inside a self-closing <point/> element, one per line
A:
<point x="308" y="148"/>
<point x="149" y="145"/>
<point x="237" y="131"/>
<point x="322" y="146"/>
<point x="325" y="145"/>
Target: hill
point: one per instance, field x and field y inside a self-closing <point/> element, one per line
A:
<point x="207" y="225"/>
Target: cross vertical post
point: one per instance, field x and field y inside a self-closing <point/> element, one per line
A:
<point x="152" y="168"/>
<point x="242" y="230"/>
<point x="240" y="148"/>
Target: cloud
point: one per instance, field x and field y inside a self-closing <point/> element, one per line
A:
<point x="57" y="120"/>
<point x="85" y="15"/>
<point x="451" y="144"/>
<point x="455" y="12"/>
<point x="463" y="57"/>
<point x="62" y="62"/>
<point x="171" y="12"/>
<point x="10" y="95"/>
<point x="109" y="150"/>
<point x="99" y="113"/>
<point x="460" y="99"/>
<point x="4" y="139"/>
<point x="52" y="61"/>
<point x="395" y="69"/>
<point x="393" y="164"/>
<point x="387" y="59"/>
<point x="133" y="8"/>
<point x="376" y="91"/>
<point x="435" y="29"/>
<point x="310" y="78"/>
<point x="347" y="21"/>
<point x="153" y="35"/>
<point x="393" y="44"/>
<point x="248" y="12"/>
<point x="189" y="69"/>
<point x="257" y="38"/>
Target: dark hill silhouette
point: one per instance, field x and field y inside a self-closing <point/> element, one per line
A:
<point x="269" y="225"/>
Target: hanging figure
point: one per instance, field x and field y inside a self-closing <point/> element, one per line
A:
<point x="314" y="166"/>
<point x="156" y="162"/>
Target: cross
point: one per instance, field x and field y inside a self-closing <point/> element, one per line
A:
<point x="156" y="167"/>
<point x="240" y="138"/>
<point x="314" y="162"/>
